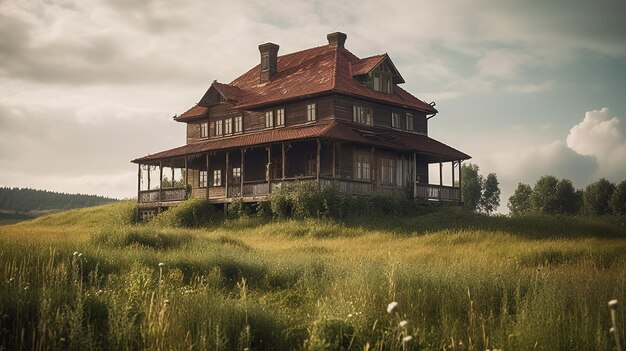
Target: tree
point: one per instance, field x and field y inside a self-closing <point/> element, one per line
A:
<point x="490" y="199"/>
<point x="544" y="196"/>
<point x="472" y="186"/>
<point x="567" y="199"/>
<point x="618" y="200"/>
<point x="596" y="197"/>
<point x="520" y="202"/>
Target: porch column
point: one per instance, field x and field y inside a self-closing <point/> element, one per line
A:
<point x="149" y="171"/>
<point x="334" y="157"/>
<point x="268" y="169"/>
<point x="453" y="163"/>
<point x="440" y="178"/>
<point x="414" y="174"/>
<point x="186" y="173"/>
<point x="160" y="180"/>
<point x="282" y="146"/>
<point x="317" y="170"/>
<point x="138" y="182"/>
<point x="373" y="172"/>
<point x="207" y="176"/>
<point x="226" y="176"/>
<point x="172" y="182"/>
<point x="243" y="151"/>
<point x="460" y="177"/>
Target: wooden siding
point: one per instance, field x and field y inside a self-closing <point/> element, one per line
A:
<point x="382" y="113"/>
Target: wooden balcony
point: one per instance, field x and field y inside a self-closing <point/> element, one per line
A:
<point x="260" y="190"/>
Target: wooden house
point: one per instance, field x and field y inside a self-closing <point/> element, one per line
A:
<point x="321" y="115"/>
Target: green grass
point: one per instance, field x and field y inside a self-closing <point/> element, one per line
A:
<point x="463" y="281"/>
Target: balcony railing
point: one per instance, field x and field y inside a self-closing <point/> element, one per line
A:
<point x="162" y="195"/>
<point x="437" y="192"/>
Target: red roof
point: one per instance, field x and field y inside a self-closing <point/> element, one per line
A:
<point x="382" y="137"/>
<point x="318" y="70"/>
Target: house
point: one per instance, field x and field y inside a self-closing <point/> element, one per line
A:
<point x="320" y="114"/>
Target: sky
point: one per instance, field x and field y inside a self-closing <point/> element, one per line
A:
<point x="527" y="88"/>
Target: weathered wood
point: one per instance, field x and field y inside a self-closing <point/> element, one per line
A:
<point x="268" y="167"/>
<point x="138" y="180"/>
<point x="453" y="163"/>
<point x="160" y="180"/>
<point x="149" y="171"/>
<point x="373" y="170"/>
<point x="226" y="175"/>
<point x="207" y="175"/>
<point x="343" y="108"/>
<point x="282" y="149"/>
<point x="333" y="145"/>
<point x="243" y="151"/>
<point x="460" y="185"/>
<point x="186" y="172"/>
<point x="317" y="156"/>
<point x="440" y="176"/>
<point x="413" y="173"/>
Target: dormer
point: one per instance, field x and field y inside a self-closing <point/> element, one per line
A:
<point x="219" y="93"/>
<point x="377" y="73"/>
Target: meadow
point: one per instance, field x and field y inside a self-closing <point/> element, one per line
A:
<point x="90" y="279"/>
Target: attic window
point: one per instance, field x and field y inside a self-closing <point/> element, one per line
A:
<point x="382" y="79"/>
<point x="222" y="99"/>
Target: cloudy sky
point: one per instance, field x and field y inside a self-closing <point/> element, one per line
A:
<point x="527" y="88"/>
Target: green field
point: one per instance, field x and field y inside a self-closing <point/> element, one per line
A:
<point x="88" y="279"/>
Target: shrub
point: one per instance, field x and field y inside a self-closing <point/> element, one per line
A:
<point x="191" y="213"/>
<point x="237" y="209"/>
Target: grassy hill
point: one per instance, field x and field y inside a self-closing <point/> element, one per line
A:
<point x="88" y="278"/>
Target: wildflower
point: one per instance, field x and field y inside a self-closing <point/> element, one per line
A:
<point x="403" y="324"/>
<point x="75" y="253"/>
<point x="612" y="330"/>
<point x="350" y="315"/>
<point x="391" y="308"/>
<point x="166" y="302"/>
<point x="161" y="264"/>
<point x="407" y="338"/>
<point x="99" y="292"/>
<point x="613" y="303"/>
<point x="80" y="255"/>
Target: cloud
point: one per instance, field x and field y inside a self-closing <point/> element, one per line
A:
<point x="529" y="88"/>
<point x="602" y="136"/>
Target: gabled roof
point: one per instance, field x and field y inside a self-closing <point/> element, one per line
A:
<point x="366" y="65"/>
<point x="315" y="71"/>
<point x="376" y="136"/>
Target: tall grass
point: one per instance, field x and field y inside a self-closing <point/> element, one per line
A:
<point x="462" y="281"/>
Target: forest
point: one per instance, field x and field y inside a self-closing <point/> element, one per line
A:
<point x="26" y="200"/>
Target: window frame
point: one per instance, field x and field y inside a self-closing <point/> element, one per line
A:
<point x="202" y="179"/>
<point x="238" y="124"/>
<point x="219" y="128"/>
<point x="395" y="120"/>
<point x="363" y="114"/>
<point x="236" y="175"/>
<point x="311" y="112"/>
<point x="409" y="122"/>
<point x="228" y="126"/>
<point x="204" y="130"/>
<point x="217" y="178"/>
<point x="362" y="166"/>
<point x="387" y="171"/>
<point x="269" y="119"/>
<point x="280" y="117"/>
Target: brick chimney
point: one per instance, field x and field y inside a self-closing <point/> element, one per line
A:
<point x="337" y="39"/>
<point x="269" y="55"/>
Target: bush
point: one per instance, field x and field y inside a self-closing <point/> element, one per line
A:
<point x="237" y="209"/>
<point x="191" y="213"/>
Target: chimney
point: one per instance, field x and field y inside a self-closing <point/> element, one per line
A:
<point x="337" y="39"/>
<point x="269" y="55"/>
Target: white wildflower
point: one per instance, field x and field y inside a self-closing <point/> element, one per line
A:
<point x="350" y="315"/>
<point x="391" y="308"/>
<point x="161" y="264"/>
<point x="403" y="324"/>
<point x="613" y="303"/>
<point x="166" y="302"/>
<point x="80" y="255"/>
<point x="407" y="338"/>
<point x="75" y="253"/>
<point x="612" y="330"/>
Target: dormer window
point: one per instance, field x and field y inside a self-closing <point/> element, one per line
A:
<point x="269" y="119"/>
<point x="204" y="132"/>
<point x="310" y="113"/>
<point x="280" y="117"/>
<point x="382" y="79"/>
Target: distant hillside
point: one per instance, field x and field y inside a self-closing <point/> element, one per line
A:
<point x="25" y="200"/>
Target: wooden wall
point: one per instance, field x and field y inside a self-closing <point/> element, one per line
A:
<point x="382" y="113"/>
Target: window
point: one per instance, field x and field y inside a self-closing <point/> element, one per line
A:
<point x="387" y="170"/>
<point x="362" y="114"/>
<point x="202" y="179"/>
<point x="218" y="128"/>
<point x="280" y="117"/>
<point x="382" y="79"/>
<point x="217" y="177"/>
<point x="212" y="129"/>
<point x="395" y="120"/>
<point x="238" y="124"/>
<point x="409" y="121"/>
<point x="269" y="119"/>
<point x="236" y="175"/>
<point x="204" y="130"/>
<point x="310" y="164"/>
<point x="228" y="126"/>
<point x="362" y="167"/>
<point x="310" y="112"/>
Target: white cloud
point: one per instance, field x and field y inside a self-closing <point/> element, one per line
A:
<point x="529" y="88"/>
<point x="602" y="136"/>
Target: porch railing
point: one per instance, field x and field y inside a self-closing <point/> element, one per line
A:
<point x="437" y="192"/>
<point x="162" y="195"/>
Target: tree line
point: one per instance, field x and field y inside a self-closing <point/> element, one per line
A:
<point x="554" y="196"/>
<point x="26" y="199"/>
